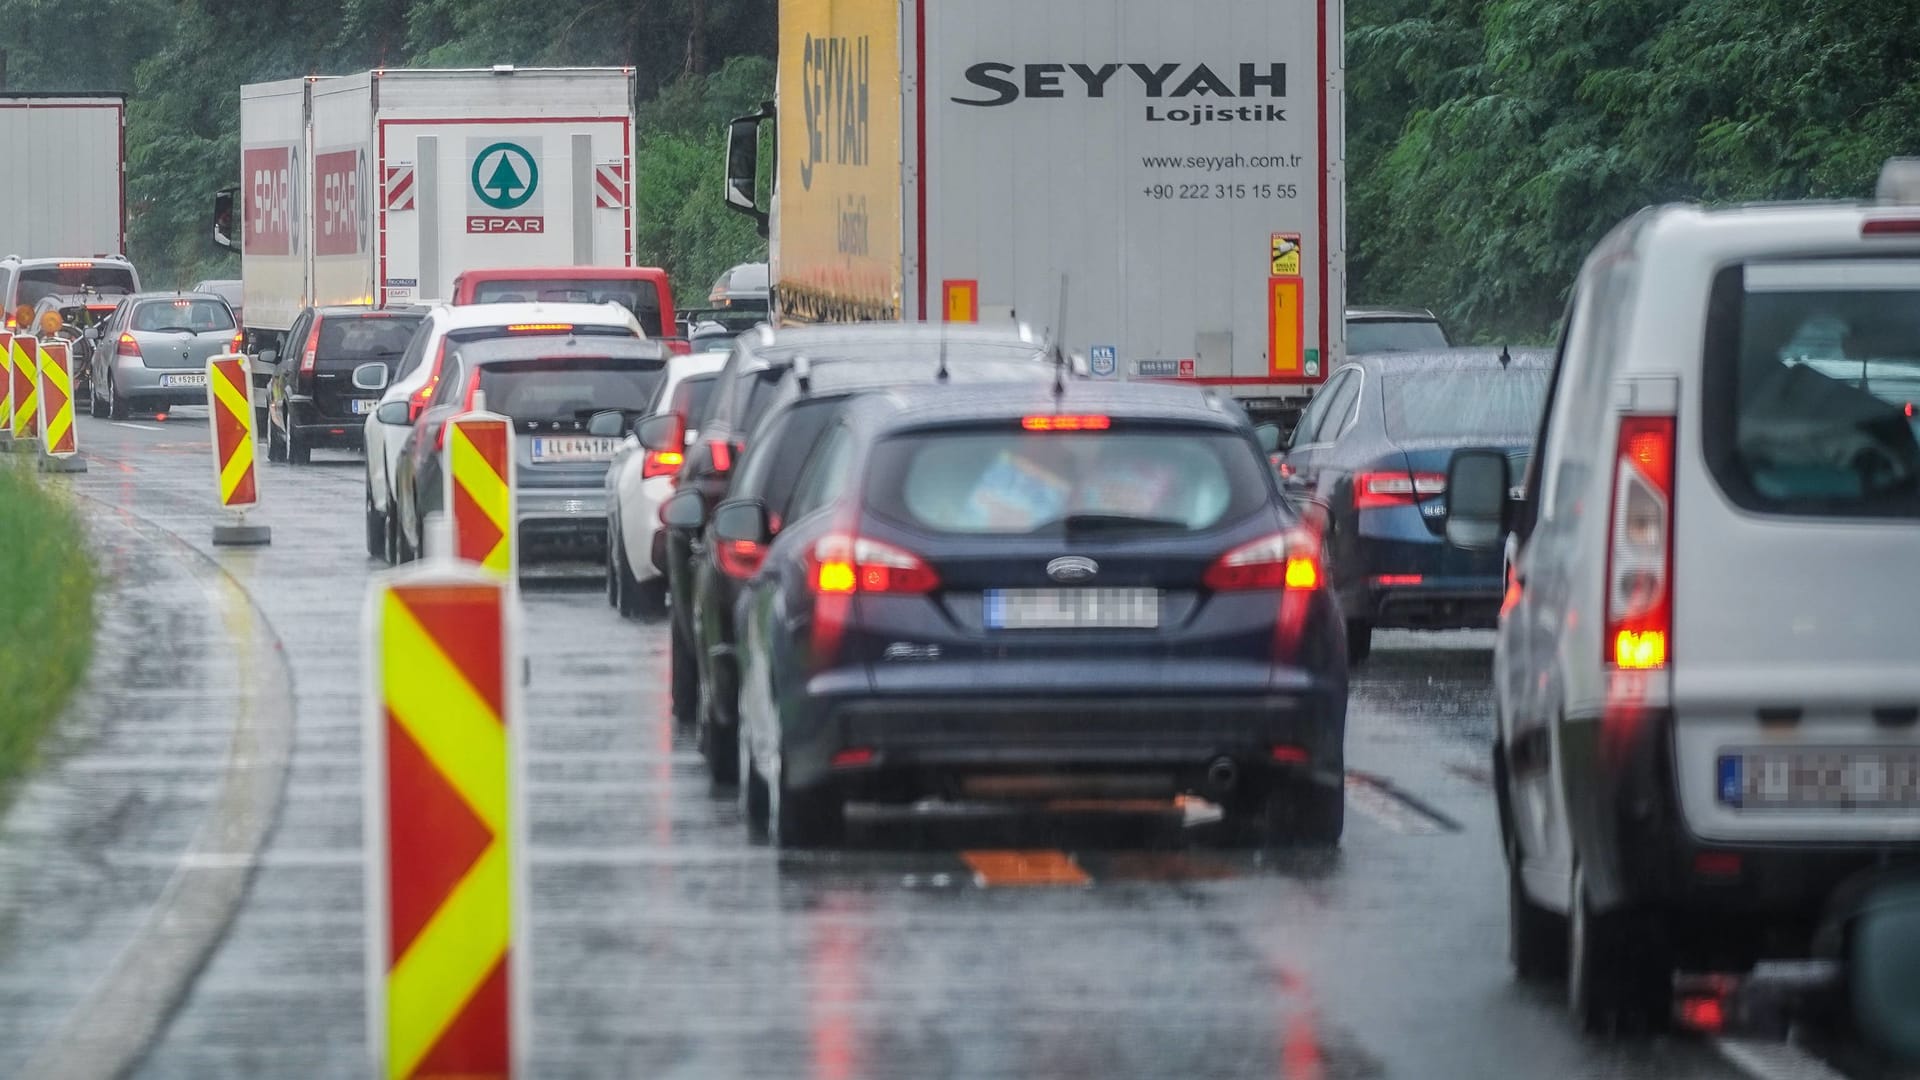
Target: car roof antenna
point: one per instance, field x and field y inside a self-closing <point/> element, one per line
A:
<point x="1505" y="356"/>
<point x="1054" y="334"/>
<point x="941" y="375"/>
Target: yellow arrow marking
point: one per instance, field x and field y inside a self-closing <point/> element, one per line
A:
<point x="472" y="471"/>
<point x="460" y="734"/>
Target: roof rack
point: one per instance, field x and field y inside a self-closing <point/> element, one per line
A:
<point x="803" y="374"/>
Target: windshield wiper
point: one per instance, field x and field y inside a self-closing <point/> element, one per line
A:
<point x="1088" y="522"/>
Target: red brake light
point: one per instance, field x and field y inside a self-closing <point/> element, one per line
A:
<point x="1372" y="490"/>
<point x="1640" y="554"/>
<point x="1890" y="227"/>
<point x="1066" y="423"/>
<point x="661" y="463"/>
<point x="853" y="758"/>
<point x="541" y="328"/>
<point x="1391" y="580"/>
<point x="1288" y="560"/>
<point x="417" y="404"/>
<point x="239" y="339"/>
<point x="309" y="354"/>
<point x="739" y="559"/>
<point x="127" y="346"/>
<point x="722" y="453"/>
<point x="843" y="564"/>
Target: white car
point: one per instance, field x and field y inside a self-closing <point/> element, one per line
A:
<point x="418" y="369"/>
<point x="639" y="480"/>
<point x="1708" y="706"/>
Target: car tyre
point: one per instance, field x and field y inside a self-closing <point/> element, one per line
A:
<point x="1536" y="936"/>
<point x="1359" y="640"/>
<point x="96" y="408"/>
<point x="376" y="530"/>
<point x="116" y="405"/>
<point x="1616" y="982"/>
<point x="754" y="797"/>
<point x="393" y="533"/>
<point x="685" y="675"/>
<point x="298" y="451"/>
<point x="806" y="817"/>
<point x="722" y="754"/>
<point x="276" y="450"/>
<point x="649" y="597"/>
<point x="626" y="591"/>
<point x="1309" y="814"/>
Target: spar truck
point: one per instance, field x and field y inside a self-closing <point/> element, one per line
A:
<point x="1179" y="166"/>
<point x="65" y="180"/>
<point x="383" y="187"/>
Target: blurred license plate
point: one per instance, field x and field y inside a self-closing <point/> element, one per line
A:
<point x="1820" y="779"/>
<point x="573" y="448"/>
<point x="361" y="406"/>
<point x="195" y="378"/>
<point x="1072" y="609"/>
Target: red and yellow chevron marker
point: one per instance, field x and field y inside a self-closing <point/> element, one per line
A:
<point x="230" y="403"/>
<point x="6" y="387"/>
<point x="56" y="400"/>
<point x="26" y="394"/>
<point x="481" y="478"/>
<point x="445" y="884"/>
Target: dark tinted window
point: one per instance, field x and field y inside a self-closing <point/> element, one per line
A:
<point x="639" y="297"/>
<point x="1394" y="335"/>
<point x="1812" y="376"/>
<point x="346" y="340"/>
<point x="1464" y="404"/>
<point x="1011" y="482"/>
<point x="191" y="315"/>
<point x="1340" y="406"/>
<point x="570" y="388"/>
<point x="772" y="468"/>
<point x="39" y="282"/>
<point x="691" y="396"/>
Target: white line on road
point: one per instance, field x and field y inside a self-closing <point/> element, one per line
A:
<point x="1774" y="1061"/>
<point x="129" y="423"/>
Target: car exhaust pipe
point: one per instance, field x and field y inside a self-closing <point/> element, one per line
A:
<point x="1223" y="775"/>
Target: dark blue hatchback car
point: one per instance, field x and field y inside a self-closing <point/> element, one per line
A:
<point x="1369" y="461"/>
<point x="1007" y="591"/>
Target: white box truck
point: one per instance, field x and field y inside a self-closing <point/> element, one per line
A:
<point x="382" y="187"/>
<point x="63" y="176"/>
<point x="1179" y="164"/>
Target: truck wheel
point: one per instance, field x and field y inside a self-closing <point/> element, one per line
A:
<point x="1617" y="979"/>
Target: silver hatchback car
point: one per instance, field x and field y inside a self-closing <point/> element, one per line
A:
<point x="152" y="353"/>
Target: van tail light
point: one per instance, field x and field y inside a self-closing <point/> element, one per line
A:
<point x="127" y="346"/>
<point x="721" y="452"/>
<point x="843" y="564"/>
<point x="1288" y="560"/>
<point x="661" y="463"/>
<point x="1640" y="549"/>
<point x="1373" y="490"/>
<point x="739" y="559"/>
<point x="310" y="354"/>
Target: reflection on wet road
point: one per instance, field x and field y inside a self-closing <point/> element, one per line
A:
<point x="1065" y="941"/>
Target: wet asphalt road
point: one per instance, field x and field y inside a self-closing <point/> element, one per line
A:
<point x="664" y="943"/>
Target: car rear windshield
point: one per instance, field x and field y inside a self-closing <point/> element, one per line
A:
<point x="39" y="282"/>
<point x="347" y="340"/>
<point x="1812" y="375"/>
<point x="637" y="296"/>
<point x="182" y="316"/>
<point x="691" y="396"/>
<point x="1464" y="404"/>
<point x="1010" y="482"/>
<point x="1394" y="335"/>
<point x="570" y="388"/>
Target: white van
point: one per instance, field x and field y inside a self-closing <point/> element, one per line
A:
<point x="1708" y="663"/>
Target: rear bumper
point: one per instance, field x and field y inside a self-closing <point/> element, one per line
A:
<point x="1636" y="849"/>
<point x="1445" y="604"/>
<point x="923" y="742"/>
<point x="136" y="382"/>
<point x="318" y="428"/>
<point x="561" y="523"/>
<point x="1421" y="583"/>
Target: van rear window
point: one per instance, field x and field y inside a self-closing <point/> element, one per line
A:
<point x="1812" y="375"/>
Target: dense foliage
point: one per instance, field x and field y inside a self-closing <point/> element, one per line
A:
<point x="1490" y="142"/>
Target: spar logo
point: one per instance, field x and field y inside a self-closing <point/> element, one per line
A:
<point x="272" y="193"/>
<point x="504" y="176"/>
<point x="342" y="183"/>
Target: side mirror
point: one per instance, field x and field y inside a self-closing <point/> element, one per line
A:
<point x="608" y="422"/>
<point x="743" y="164"/>
<point x="370" y="376"/>
<point x="686" y="511"/>
<point x="1477" y="499"/>
<point x="666" y="431"/>
<point x="743" y="521"/>
<point x="1269" y="436"/>
<point x="396" y="413"/>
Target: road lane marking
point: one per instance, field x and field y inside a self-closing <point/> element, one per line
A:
<point x="1394" y="808"/>
<point x="994" y="869"/>
<point x="1774" y="1061"/>
<point x="142" y="427"/>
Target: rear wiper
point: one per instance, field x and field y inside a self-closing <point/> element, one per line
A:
<point x="1076" y="522"/>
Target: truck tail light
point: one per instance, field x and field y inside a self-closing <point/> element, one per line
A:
<point x="1373" y="490"/>
<point x="1287" y="560"/>
<point x="310" y="354"/>
<point x="843" y="564"/>
<point x="661" y="463"/>
<point x="127" y="346"/>
<point x="1640" y="551"/>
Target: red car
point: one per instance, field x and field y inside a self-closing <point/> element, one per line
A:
<point x="643" y="290"/>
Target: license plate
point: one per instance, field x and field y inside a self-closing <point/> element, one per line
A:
<point x="362" y="406"/>
<point x="1825" y="779"/>
<point x="193" y="378"/>
<point x="557" y="448"/>
<point x="1072" y="609"/>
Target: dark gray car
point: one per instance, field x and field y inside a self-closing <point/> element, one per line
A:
<point x="152" y="353"/>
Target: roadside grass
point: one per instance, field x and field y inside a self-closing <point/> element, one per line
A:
<point x="47" y="587"/>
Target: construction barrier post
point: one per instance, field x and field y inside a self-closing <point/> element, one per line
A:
<point x="446" y="885"/>
<point x="481" y="478"/>
<point x="26" y="393"/>
<point x="60" y="443"/>
<point x="6" y="389"/>
<point x="230" y="406"/>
